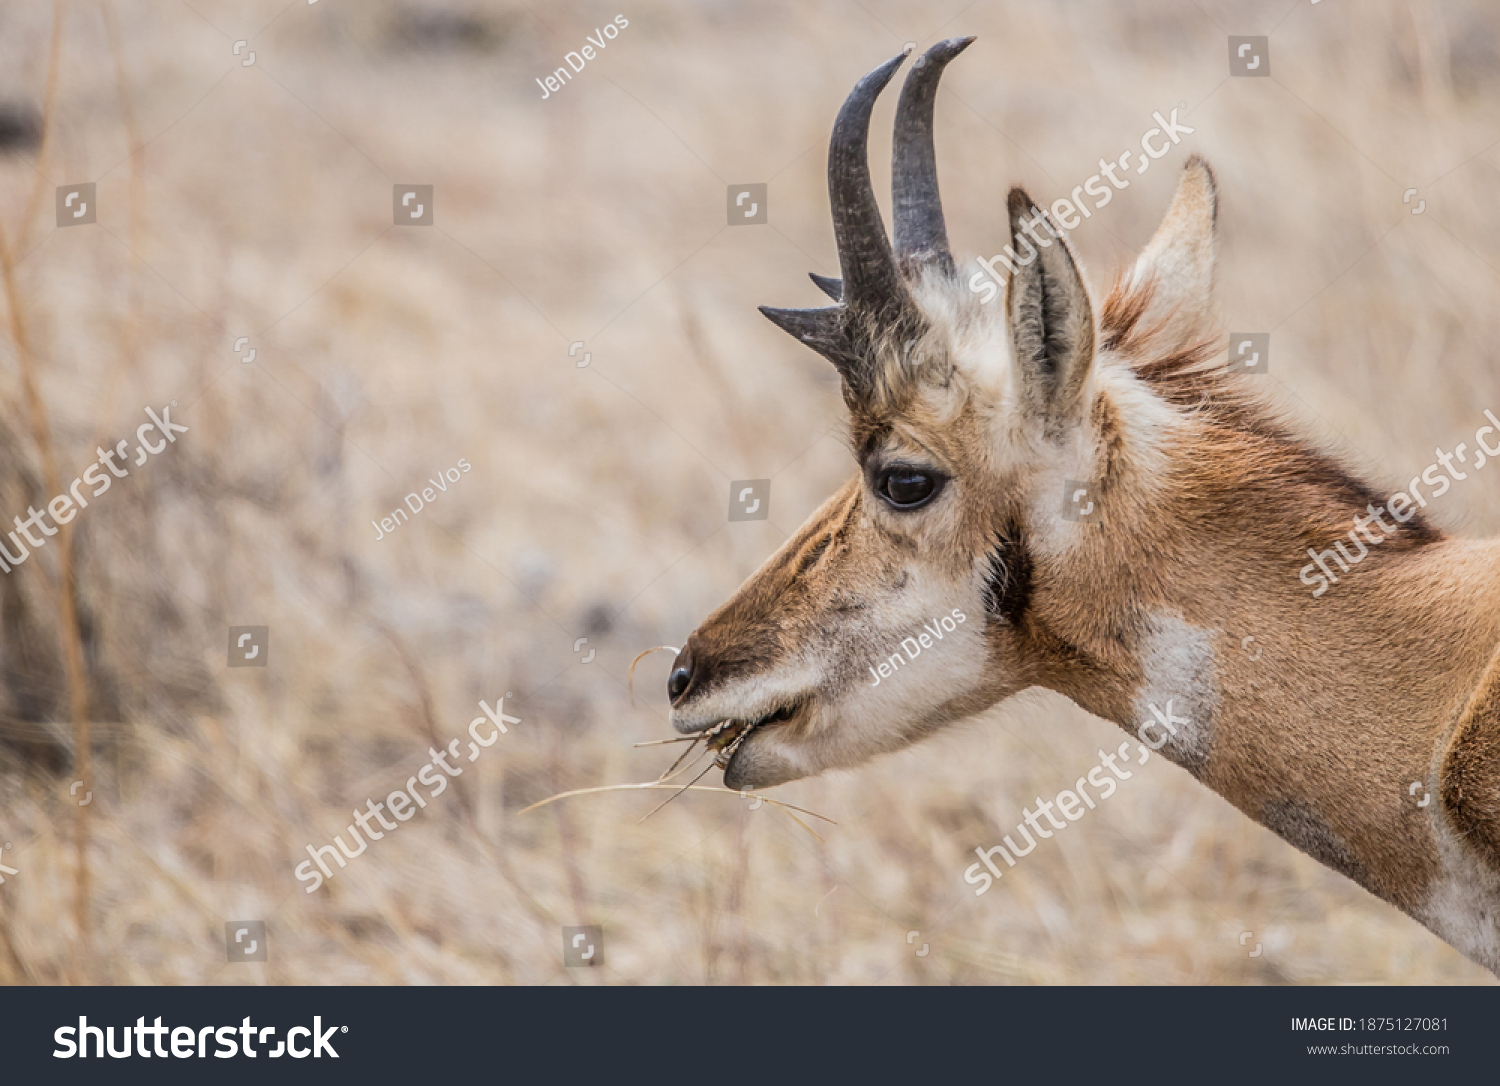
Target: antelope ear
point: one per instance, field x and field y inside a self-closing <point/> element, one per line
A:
<point x="1179" y="261"/>
<point x="1051" y="320"/>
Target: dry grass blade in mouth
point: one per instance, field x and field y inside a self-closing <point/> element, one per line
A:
<point x="716" y="738"/>
<point x="785" y="808"/>
<point x="706" y="770"/>
<point x="724" y="738"/>
<point x="670" y="773"/>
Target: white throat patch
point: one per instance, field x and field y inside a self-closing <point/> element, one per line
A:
<point x="1175" y="708"/>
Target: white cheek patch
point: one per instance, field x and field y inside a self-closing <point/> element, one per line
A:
<point x="1174" y="709"/>
<point x="920" y="669"/>
<point x="864" y="712"/>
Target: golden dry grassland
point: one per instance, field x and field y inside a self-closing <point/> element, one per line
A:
<point x="255" y="200"/>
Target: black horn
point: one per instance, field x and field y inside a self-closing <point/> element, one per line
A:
<point x="821" y="329"/>
<point x="921" y="237"/>
<point x="873" y="296"/>
<point x="872" y="283"/>
<point x="834" y="288"/>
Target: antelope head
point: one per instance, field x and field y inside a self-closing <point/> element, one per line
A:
<point x="967" y="421"/>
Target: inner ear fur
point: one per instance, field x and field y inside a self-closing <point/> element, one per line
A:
<point x="1051" y="318"/>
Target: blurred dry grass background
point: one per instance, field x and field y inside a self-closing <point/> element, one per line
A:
<point x="255" y="201"/>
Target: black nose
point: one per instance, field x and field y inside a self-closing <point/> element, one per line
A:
<point x="682" y="675"/>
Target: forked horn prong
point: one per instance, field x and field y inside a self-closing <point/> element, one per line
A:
<point x="829" y="285"/>
<point x="873" y="294"/>
<point x="821" y="329"/>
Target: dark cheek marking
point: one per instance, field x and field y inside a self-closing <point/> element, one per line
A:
<point x="1007" y="592"/>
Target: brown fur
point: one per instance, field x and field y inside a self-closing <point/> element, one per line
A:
<point x="1470" y="775"/>
<point x="1209" y="506"/>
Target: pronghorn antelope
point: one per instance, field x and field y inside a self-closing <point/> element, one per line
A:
<point x="968" y="421"/>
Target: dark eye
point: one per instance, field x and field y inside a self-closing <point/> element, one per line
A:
<point x="907" y="488"/>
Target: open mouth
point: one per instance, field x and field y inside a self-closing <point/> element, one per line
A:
<point x="725" y="737"/>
